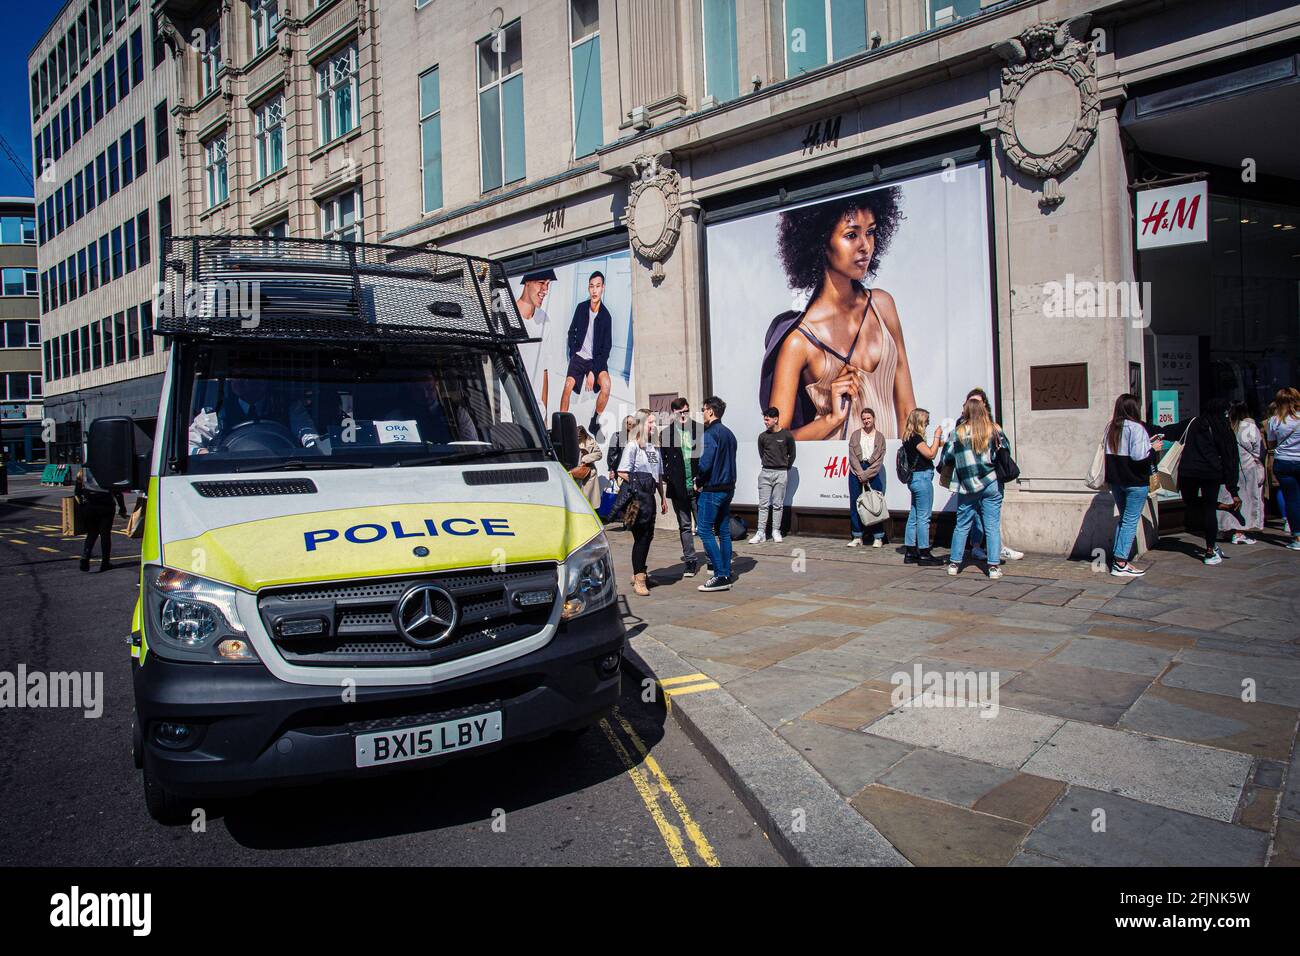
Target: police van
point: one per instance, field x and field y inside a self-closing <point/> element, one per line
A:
<point x="362" y="548"/>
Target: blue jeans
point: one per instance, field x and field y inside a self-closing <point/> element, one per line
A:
<point x="713" y="524"/>
<point x="988" y="505"/>
<point x="917" y="534"/>
<point x="1287" y="473"/>
<point x="1130" y="499"/>
<point x="855" y="491"/>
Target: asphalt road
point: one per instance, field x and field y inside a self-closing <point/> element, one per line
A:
<point x="634" y="791"/>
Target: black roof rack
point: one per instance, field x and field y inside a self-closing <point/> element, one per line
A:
<point x="254" y="288"/>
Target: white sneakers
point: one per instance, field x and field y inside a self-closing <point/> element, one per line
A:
<point x="758" y="538"/>
<point x="776" y="536"/>
<point x="1239" y="538"/>
<point x="854" y="543"/>
<point x="995" y="571"/>
<point x="1126" y="571"/>
<point x="877" y="543"/>
<point x="1011" y="554"/>
<point x="1216" y="557"/>
<point x="1294" y="545"/>
<point x="953" y="569"/>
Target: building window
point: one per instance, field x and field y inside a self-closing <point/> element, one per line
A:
<point x="133" y="332"/>
<point x="430" y="140"/>
<point x="164" y="222"/>
<point x="119" y="336"/>
<point x="87" y="116"/>
<point x="137" y="56"/>
<point x="270" y="136"/>
<point x="214" y="167"/>
<point x="501" y="107"/>
<point x="92" y="259"/>
<point x="340" y="217"/>
<point x="276" y="230"/>
<point x="97" y="89"/>
<point x="141" y="157"/>
<point x="211" y="65"/>
<point x="584" y="60"/>
<point x="265" y="18"/>
<point x="162" y="144"/>
<point x="16" y="230"/>
<point x="818" y="32"/>
<point x="19" y="281"/>
<point x="96" y="345"/>
<point x="142" y="234"/>
<point x="128" y="162"/>
<point x="88" y="177"/>
<point x="128" y="241"/>
<point x="117" y="252"/>
<point x="105" y="276"/>
<point x="146" y="328"/>
<point x="112" y="169"/>
<point x="944" y="12"/>
<point x="337" y="91"/>
<point x="123" y="72"/>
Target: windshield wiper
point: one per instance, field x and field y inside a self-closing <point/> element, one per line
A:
<point x="466" y="456"/>
<point x="299" y="464"/>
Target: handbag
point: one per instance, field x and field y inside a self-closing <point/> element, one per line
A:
<point x="581" y="473"/>
<point x="945" y="472"/>
<point x="1004" y="466"/>
<point x="871" y="506"/>
<point x="1096" y="477"/>
<point x="1167" y="470"/>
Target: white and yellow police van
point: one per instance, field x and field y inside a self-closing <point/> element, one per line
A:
<point x="362" y="548"/>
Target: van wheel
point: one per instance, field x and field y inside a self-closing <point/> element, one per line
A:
<point x="137" y="744"/>
<point x="163" y="805"/>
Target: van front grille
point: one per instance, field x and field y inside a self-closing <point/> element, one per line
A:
<point x="354" y="624"/>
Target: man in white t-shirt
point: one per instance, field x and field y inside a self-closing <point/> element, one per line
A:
<point x="590" y="340"/>
<point x="536" y="355"/>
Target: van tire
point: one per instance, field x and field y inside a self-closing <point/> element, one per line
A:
<point x="137" y="744"/>
<point x="164" y="806"/>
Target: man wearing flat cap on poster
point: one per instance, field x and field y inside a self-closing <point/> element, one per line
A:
<point x="539" y="356"/>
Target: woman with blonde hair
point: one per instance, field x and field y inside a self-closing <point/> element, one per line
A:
<point x="642" y="472"/>
<point x="1283" y="434"/>
<point x="972" y="447"/>
<point x="918" y="465"/>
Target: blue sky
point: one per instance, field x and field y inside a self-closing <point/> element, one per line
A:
<point x="24" y="22"/>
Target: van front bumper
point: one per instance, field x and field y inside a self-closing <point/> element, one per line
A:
<point x="249" y="730"/>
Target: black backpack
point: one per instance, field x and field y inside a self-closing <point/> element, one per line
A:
<point x="903" y="464"/>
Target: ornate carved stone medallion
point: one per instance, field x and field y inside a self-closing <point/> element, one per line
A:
<point x="654" y="209"/>
<point x="1050" y="103"/>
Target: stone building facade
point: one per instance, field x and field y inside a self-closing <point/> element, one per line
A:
<point x="1071" y="106"/>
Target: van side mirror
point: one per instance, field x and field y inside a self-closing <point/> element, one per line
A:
<point x="564" y="436"/>
<point x="112" y="458"/>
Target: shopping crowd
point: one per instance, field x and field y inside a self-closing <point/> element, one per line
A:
<point x="1222" y="463"/>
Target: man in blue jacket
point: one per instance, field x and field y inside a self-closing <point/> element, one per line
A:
<point x="716" y="479"/>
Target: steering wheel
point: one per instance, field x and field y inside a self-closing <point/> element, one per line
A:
<point x="258" y="435"/>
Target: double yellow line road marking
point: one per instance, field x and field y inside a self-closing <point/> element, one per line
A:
<point x="651" y="783"/>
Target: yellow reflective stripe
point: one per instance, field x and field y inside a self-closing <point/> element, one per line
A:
<point x="275" y="551"/>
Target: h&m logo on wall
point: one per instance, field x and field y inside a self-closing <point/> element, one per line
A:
<point x="1173" y="215"/>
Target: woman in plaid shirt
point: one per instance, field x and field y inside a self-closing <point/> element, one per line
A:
<point x="970" y="448"/>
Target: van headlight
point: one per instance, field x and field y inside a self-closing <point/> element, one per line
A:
<point x="194" y="619"/>
<point x="588" y="579"/>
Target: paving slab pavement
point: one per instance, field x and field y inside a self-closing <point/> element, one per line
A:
<point x="1166" y="706"/>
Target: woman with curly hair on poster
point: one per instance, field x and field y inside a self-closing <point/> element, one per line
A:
<point x="847" y="352"/>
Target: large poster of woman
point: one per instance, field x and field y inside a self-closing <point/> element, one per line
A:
<point x="581" y="313"/>
<point x="877" y="299"/>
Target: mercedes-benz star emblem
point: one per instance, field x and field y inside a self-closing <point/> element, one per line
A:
<point x="426" y="615"/>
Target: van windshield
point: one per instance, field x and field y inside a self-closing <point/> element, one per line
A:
<point x="300" y="408"/>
